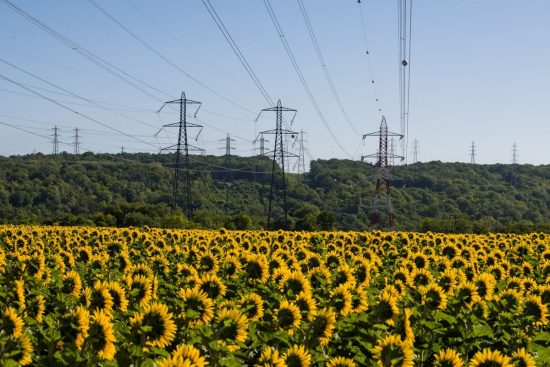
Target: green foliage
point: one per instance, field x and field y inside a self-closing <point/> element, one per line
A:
<point x="109" y="190"/>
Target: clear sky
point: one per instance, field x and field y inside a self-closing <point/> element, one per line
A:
<point x="479" y="72"/>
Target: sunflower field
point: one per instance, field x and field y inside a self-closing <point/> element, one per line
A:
<point x="84" y="296"/>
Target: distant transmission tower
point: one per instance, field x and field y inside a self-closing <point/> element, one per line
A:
<point x="382" y="197"/>
<point x="227" y="147"/>
<point x="182" y="146"/>
<point x="415" y="151"/>
<point x="392" y="151"/>
<point x="262" y="141"/>
<point x="279" y="155"/>
<point x="76" y="144"/>
<point x="55" y="141"/>
<point x="300" y="165"/>
<point x="514" y="154"/>
<point x="473" y="153"/>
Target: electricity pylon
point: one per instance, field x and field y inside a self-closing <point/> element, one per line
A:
<point x="279" y="155"/>
<point x="182" y="146"/>
<point x="382" y="197"/>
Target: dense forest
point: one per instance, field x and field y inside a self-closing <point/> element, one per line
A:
<point x="233" y="192"/>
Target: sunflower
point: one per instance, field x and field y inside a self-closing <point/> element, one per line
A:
<point x="18" y="349"/>
<point x="362" y="271"/>
<point x="433" y="296"/>
<point x="207" y="263"/>
<point x="489" y="358"/>
<point x="212" y="285"/>
<point x="118" y="294"/>
<point x="404" y="328"/>
<point x="319" y="277"/>
<point x="343" y="275"/>
<point x="175" y="362"/>
<point x="420" y="261"/>
<point x="74" y="326"/>
<point x="293" y="283"/>
<point x="231" y="267"/>
<point x="359" y="300"/>
<point x="307" y="305"/>
<point x="386" y="309"/>
<point x="101" y="338"/>
<point x="485" y="283"/>
<point x="161" y="327"/>
<point x="36" y="308"/>
<point x="322" y="326"/>
<point x="101" y="298"/>
<point x="402" y="274"/>
<point x="509" y="299"/>
<point x="288" y="316"/>
<point x="514" y="283"/>
<point x="341" y="299"/>
<point x="544" y="292"/>
<point x="72" y="283"/>
<point x="253" y="306"/>
<point x="392" y="351"/>
<point x="297" y="356"/>
<point x="420" y="277"/>
<point x="340" y="362"/>
<point x="20" y="292"/>
<point x="231" y="328"/>
<point x="535" y="310"/>
<point x="256" y="268"/>
<point x="12" y="323"/>
<point x="186" y="275"/>
<point x="142" y="269"/>
<point x="466" y="294"/>
<point x="140" y="289"/>
<point x="189" y="352"/>
<point x="197" y="307"/>
<point x="448" y="358"/>
<point x="270" y="358"/>
<point x="521" y="358"/>
<point x="448" y="280"/>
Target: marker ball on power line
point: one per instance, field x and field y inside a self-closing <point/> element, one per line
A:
<point x="404" y="63"/>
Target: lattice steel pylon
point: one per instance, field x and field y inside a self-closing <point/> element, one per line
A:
<point x="76" y="144"/>
<point x="182" y="145"/>
<point x="300" y="165"/>
<point x="382" y="195"/>
<point x="473" y="153"/>
<point x="279" y="154"/>
<point x="55" y="141"/>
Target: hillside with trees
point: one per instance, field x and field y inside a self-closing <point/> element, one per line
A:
<point x="233" y="192"/>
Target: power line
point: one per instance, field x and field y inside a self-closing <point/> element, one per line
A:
<point x="300" y="74"/>
<point x="227" y="35"/>
<point x="404" y="13"/>
<point x="120" y="74"/>
<point x="324" y="66"/>
<point x="368" y="53"/>
<point x="90" y="56"/>
<point x="221" y="168"/>
<point x="76" y="112"/>
<point x="25" y="130"/>
<point x="77" y="96"/>
<point x="168" y="61"/>
<point x="187" y="49"/>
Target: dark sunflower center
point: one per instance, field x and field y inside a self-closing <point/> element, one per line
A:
<point x="293" y="287"/>
<point x="285" y="318"/>
<point x="157" y="324"/>
<point x="294" y="361"/>
<point x="211" y="288"/>
<point x="254" y="270"/>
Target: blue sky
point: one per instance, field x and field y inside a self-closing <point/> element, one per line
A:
<point x="479" y="72"/>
